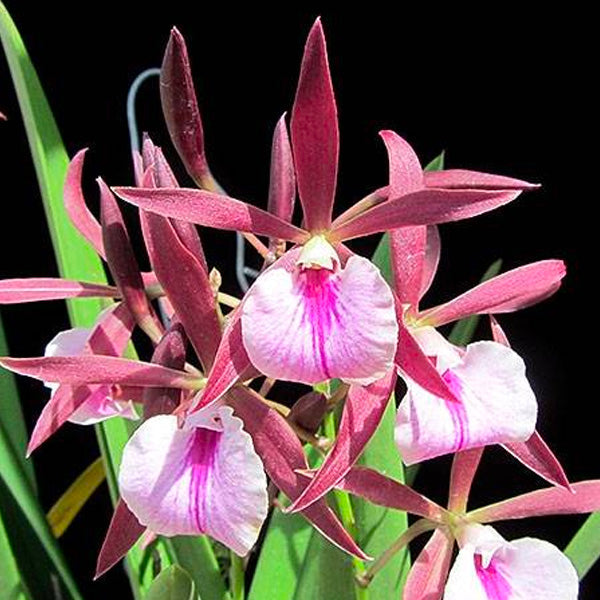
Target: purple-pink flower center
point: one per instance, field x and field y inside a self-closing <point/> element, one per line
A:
<point x="200" y="458"/>
<point x="320" y="289"/>
<point x="457" y="409"/>
<point x="495" y="585"/>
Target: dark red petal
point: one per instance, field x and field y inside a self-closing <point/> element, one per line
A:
<point x="76" y="207"/>
<point x="211" y="210"/>
<point x="186" y="284"/>
<point x="123" y="264"/>
<point x="123" y="532"/>
<point x="424" y="207"/>
<point x="315" y="136"/>
<point x="180" y="109"/>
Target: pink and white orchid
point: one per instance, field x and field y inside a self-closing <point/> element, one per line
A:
<point x="494" y="401"/>
<point x="102" y="402"/>
<point x="338" y="316"/>
<point x="490" y="568"/>
<point x="200" y="477"/>
<point x="457" y="398"/>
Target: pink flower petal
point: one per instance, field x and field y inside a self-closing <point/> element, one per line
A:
<point x="311" y="325"/>
<point x="490" y="568"/>
<point x="508" y="292"/>
<point x="463" y="179"/>
<point x="99" y="404"/>
<point x="584" y="498"/>
<point x="464" y="468"/>
<point x="315" y="136"/>
<point x="196" y="480"/>
<point x="109" y="336"/>
<point x="428" y="574"/>
<point x="36" y="289"/>
<point x="363" y="411"/>
<point x="407" y="251"/>
<point x="81" y="217"/>
<point x="537" y="456"/>
<point x="423" y="207"/>
<point x="497" y="405"/>
<point x="406" y="173"/>
<point x="77" y="370"/>
<point x="211" y="210"/>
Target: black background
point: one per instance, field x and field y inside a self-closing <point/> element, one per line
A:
<point x="499" y="90"/>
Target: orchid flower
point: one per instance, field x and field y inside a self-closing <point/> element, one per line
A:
<point x="461" y="398"/>
<point x="307" y="323"/>
<point x="201" y="477"/>
<point x="102" y="402"/>
<point x="486" y="564"/>
<point x="490" y="568"/>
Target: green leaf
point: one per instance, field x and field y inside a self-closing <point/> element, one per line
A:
<point x="584" y="548"/>
<point x="27" y="526"/>
<point x="281" y="557"/>
<point x="462" y="333"/>
<point x="196" y="556"/>
<point x="379" y="527"/>
<point x="76" y="260"/>
<point x="172" y="584"/>
<point x="326" y="573"/>
<point x="11" y="415"/>
<point x="437" y="164"/>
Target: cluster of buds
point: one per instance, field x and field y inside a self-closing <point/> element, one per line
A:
<point x="208" y="442"/>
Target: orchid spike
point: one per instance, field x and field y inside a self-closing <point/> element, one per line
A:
<point x="490" y="568"/>
<point x="331" y="304"/>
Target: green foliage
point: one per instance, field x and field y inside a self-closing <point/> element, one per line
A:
<point x="584" y="548"/>
<point x="172" y="584"/>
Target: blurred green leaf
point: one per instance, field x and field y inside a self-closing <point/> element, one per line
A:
<point x="463" y="331"/>
<point x="172" y="584"/>
<point x="584" y="548"/>
<point x="77" y="260"/>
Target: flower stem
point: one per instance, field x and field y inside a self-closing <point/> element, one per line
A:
<point x="236" y="577"/>
<point x="347" y="516"/>
<point x="416" y="529"/>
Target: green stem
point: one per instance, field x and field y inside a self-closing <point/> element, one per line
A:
<point x="347" y="516"/>
<point x="416" y="529"/>
<point x="236" y="577"/>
